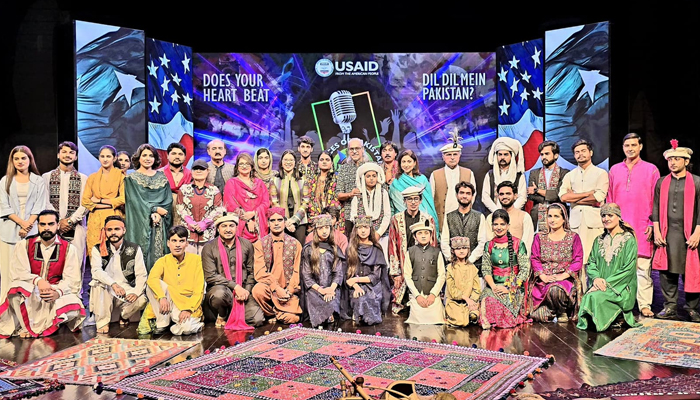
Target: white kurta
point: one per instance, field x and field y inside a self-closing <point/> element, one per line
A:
<point x="452" y="178"/>
<point x="490" y="200"/>
<point x="78" y="217"/>
<point x="433" y="314"/>
<point x="476" y="250"/>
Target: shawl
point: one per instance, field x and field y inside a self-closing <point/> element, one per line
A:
<point x="288" y="253"/>
<point x="238" y="195"/>
<point x="186" y="178"/>
<point x="74" y="187"/>
<point x="427" y="205"/>
<point x="236" y="320"/>
<point x="284" y="193"/>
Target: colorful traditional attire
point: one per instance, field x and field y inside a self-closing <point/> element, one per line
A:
<point x="462" y="280"/>
<point x="520" y="227"/>
<point x="504" y="311"/>
<point x="426" y="205"/>
<point x="347" y="180"/>
<point x="374" y="203"/>
<point x="514" y="174"/>
<point x="145" y="194"/>
<point x="549" y="180"/>
<point x="614" y="259"/>
<point x="424" y="274"/>
<point x="277" y="265"/>
<point x="175" y="187"/>
<point x="201" y="207"/>
<point x="319" y="194"/>
<point x="240" y="198"/>
<point x="307" y="171"/>
<point x="390" y="172"/>
<point x="269" y="179"/>
<point x="103" y="185"/>
<point x="369" y="307"/>
<point x="331" y="270"/>
<point x="24" y="310"/>
<point x="182" y="284"/>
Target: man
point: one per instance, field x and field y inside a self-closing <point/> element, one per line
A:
<point x="306" y="167"/>
<point x="506" y="156"/>
<point x="177" y="173"/>
<point x="544" y="184"/>
<point x="677" y="233"/>
<point x="277" y="258"/>
<point x="464" y="222"/>
<point x="219" y="171"/>
<point x="45" y="284"/>
<point x="401" y="239"/>
<point x="65" y="186"/>
<point x="585" y="189"/>
<point x="198" y="205"/>
<point x="221" y="263"/>
<point x="444" y="179"/>
<point x="389" y="151"/>
<point x="520" y="222"/>
<point x="176" y="288"/>
<point x="632" y="184"/>
<point x="340" y="239"/>
<point x="118" y="276"/>
<point x="347" y="172"/>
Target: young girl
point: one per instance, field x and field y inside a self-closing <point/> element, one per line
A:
<point x="463" y="286"/>
<point x="364" y="278"/>
<point x="322" y="268"/>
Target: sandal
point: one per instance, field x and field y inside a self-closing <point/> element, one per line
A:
<point x="123" y="322"/>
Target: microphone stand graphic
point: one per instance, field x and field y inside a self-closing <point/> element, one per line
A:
<point x="343" y="110"/>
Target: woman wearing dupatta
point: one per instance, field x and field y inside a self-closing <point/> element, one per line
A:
<point x="103" y="195"/>
<point x="612" y="271"/>
<point x="556" y="259"/>
<point x="506" y="269"/>
<point x="149" y="209"/>
<point x="410" y="175"/>
<point x="290" y="186"/>
<point x="247" y="196"/>
<point x="264" y="171"/>
<point x="320" y="191"/>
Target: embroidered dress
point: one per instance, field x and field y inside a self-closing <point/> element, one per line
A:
<point x="240" y="198"/>
<point x="202" y="207"/>
<point x="320" y="193"/>
<point x="504" y="311"/>
<point x="329" y="272"/>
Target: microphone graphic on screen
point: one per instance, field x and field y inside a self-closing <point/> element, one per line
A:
<point x="343" y="110"/>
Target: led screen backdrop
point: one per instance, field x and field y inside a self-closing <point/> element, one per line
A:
<point x="415" y="100"/>
<point x="577" y="73"/>
<point x="110" y="90"/>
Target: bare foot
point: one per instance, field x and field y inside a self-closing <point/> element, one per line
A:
<point x="220" y="322"/>
<point x="646" y="312"/>
<point x="25" y="335"/>
<point x="123" y="322"/>
<point x="272" y="321"/>
<point x="103" y="330"/>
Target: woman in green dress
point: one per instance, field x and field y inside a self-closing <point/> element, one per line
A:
<point x="612" y="274"/>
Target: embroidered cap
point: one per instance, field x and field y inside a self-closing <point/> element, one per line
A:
<point x="454" y="146"/>
<point x="226" y="218"/>
<point x="676" y="151"/>
<point x="421" y="226"/>
<point x="412" y="191"/>
<point x="611" y="208"/>
<point x="323" y="220"/>
<point x="274" y="210"/>
<point x="459" y="241"/>
<point x="363" y="220"/>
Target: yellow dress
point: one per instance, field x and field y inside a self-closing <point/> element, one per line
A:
<point x="462" y="279"/>
<point x="103" y="186"/>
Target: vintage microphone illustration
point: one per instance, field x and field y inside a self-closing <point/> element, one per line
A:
<point x="343" y="109"/>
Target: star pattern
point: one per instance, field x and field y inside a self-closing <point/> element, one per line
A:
<point x="154" y="105"/>
<point x="164" y="61"/>
<point x="127" y="84"/>
<point x="504" y="108"/>
<point x="186" y="63"/>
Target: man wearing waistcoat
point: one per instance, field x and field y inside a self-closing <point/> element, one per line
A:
<point x="464" y="222"/>
<point x="444" y="179"/>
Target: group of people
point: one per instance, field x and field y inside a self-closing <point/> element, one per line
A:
<point x="243" y="243"/>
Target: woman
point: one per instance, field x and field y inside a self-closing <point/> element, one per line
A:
<point x="246" y="195"/>
<point x="463" y="286"/>
<point x="374" y="202"/>
<point x="290" y="186"/>
<point x="103" y="195"/>
<point x="410" y="175"/>
<point x="264" y="171"/>
<point x="22" y="197"/>
<point x="556" y="259"/>
<point x="123" y="162"/>
<point x="367" y="291"/>
<point x="506" y="269"/>
<point x="612" y="269"/>
<point x="323" y="272"/>
<point x="320" y="192"/>
<point x="149" y="205"/>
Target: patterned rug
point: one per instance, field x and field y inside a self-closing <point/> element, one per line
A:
<point x="658" y="341"/>
<point x="100" y="359"/>
<point x="295" y="364"/>
<point x="675" y="385"/>
<point x="19" y="389"/>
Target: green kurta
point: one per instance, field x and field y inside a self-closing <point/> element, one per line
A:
<point x="613" y="259"/>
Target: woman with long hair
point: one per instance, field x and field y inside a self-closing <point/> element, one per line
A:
<point x="323" y="273"/>
<point x="149" y="211"/>
<point x="22" y="197"/>
<point x="263" y="168"/>
<point x="367" y="290"/>
<point x="612" y="273"/>
<point x="103" y="195"/>
<point x="463" y="287"/>
<point x="506" y="269"/>
<point x="409" y="175"/>
<point x="556" y="259"/>
<point x="290" y="186"/>
<point x="247" y="196"/>
<point x="320" y="191"/>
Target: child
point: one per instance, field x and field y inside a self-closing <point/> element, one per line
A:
<point x="463" y="286"/>
<point x="424" y="273"/>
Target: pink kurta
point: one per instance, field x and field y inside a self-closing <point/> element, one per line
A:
<point x="633" y="191"/>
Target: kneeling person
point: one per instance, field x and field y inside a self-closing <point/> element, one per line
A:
<point x="424" y="273"/>
<point x="118" y="276"/>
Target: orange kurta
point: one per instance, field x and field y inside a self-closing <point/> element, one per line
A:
<point x="103" y="186"/>
<point x="269" y="280"/>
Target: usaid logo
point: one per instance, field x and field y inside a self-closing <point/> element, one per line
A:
<point x="324" y="67"/>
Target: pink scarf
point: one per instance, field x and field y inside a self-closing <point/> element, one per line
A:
<point x="186" y="178"/>
<point x="238" y="195"/>
<point x="692" y="261"/>
<point x="236" y="320"/>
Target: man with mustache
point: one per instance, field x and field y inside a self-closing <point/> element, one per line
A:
<point x="443" y="180"/>
<point x="219" y="171"/>
<point x="544" y="183"/>
<point x="508" y="162"/>
<point x="177" y="173"/>
<point x="46" y="283"/>
<point x="465" y="222"/>
<point x="520" y="222"/>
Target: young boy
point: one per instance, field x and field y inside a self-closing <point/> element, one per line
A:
<point x="424" y="273"/>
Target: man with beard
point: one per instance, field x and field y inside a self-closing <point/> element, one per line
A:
<point x="442" y="181"/>
<point x="219" y="171"/>
<point x="347" y="173"/>
<point x="118" y="276"/>
<point x="506" y="156"/>
<point x="65" y="186"/>
<point x="177" y="173"/>
<point x="544" y="184"/>
<point x="677" y="233"/>
<point x="391" y="167"/>
<point x="46" y="283"/>
<point x="277" y="258"/>
<point x="306" y="167"/>
<point x="464" y="222"/>
<point x="585" y="189"/>
<point x="632" y="184"/>
<point x="228" y="263"/>
<point x="520" y="221"/>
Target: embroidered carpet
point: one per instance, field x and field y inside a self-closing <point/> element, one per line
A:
<point x="19" y="389"/>
<point x="658" y="341"/>
<point x="295" y="364"/>
<point x="105" y="359"/>
<point x="675" y="385"/>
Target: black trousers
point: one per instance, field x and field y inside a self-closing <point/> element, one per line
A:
<point x="669" y="288"/>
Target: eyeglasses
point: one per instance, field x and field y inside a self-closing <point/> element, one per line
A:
<point x="243" y="164"/>
<point x="413" y="200"/>
<point x="354" y="149"/>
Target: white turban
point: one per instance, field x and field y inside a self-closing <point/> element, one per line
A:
<point x="517" y="161"/>
<point x="360" y="182"/>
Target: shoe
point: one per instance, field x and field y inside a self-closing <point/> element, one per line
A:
<point x="694" y="316"/>
<point x="563" y="318"/>
<point x="667" y="313"/>
<point x="90" y="321"/>
<point x="145" y="325"/>
<point x="160" y="331"/>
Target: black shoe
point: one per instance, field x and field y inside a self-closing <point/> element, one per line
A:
<point x="667" y="313"/>
<point x="694" y="316"/>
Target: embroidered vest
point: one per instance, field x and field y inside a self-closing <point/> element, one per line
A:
<point x="469" y="229"/>
<point x="441" y="189"/>
<point x="54" y="273"/>
<point x="127" y="257"/>
<point x="424" y="267"/>
<point x="288" y="251"/>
